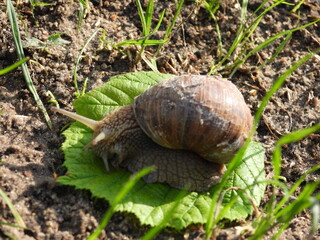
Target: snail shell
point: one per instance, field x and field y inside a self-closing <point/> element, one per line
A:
<point x="203" y="114"/>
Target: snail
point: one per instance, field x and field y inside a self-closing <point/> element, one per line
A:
<point x="188" y="127"/>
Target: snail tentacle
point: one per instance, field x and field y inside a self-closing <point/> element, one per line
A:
<point x="86" y="121"/>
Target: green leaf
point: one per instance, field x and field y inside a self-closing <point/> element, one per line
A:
<point x="33" y="42"/>
<point x="151" y="202"/>
<point x="55" y="39"/>
<point x="119" y="91"/>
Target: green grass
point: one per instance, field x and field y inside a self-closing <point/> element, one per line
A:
<point x="36" y="3"/>
<point x="83" y="9"/>
<point x="16" y="215"/>
<point x="79" y="93"/>
<point x="13" y="66"/>
<point x="278" y="213"/>
<point x="212" y="8"/>
<point x="242" y="40"/>
<point x="20" y="53"/>
<point x="146" y="19"/>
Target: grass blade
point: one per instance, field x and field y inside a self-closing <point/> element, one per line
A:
<point x="243" y="34"/>
<point x="123" y="192"/>
<point x="281" y="203"/>
<point x="278" y="50"/>
<point x="141" y="42"/>
<point x="159" y="23"/>
<point x="78" y="93"/>
<point x="14" y="211"/>
<point x="315" y="212"/>
<point x="212" y="10"/>
<point x="13" y="66"/>
<point x="244" y="8"/>
<point x="275" y="209"/>
<point x="80" y="14"/>
<point x="302" y="202"/>
<point x="170" y="27"/>
<point x="12" y="225"/>
<point x="148" y="16"/>
<point x="152" y="233"/>
<point x="289" y="138"/>
<point x="20" y="53"/>
<point x="278" y="83"/>
<point x="142" y="18"/>
<point x="176" y="14"/>
<point x="268" y="41"/>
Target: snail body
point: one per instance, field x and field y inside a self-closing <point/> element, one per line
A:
<point x="186" y="126"/>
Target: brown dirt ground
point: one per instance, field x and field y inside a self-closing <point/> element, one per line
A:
<point x="29" y="150"/>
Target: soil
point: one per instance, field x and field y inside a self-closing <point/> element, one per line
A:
<point x="30" y="158"/>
